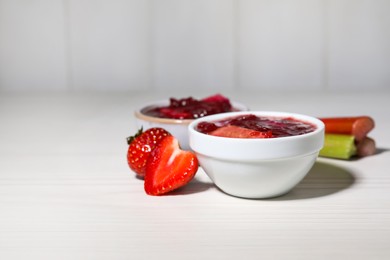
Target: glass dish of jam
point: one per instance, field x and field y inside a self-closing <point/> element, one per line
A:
<point x="191" y="108"/>
<point x="174" y="115"/>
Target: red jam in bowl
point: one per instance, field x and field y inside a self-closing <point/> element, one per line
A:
<point x="251" y="126"/>
<point x="190" y="108"/>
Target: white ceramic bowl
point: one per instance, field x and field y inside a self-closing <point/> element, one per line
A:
<point x="257" y="168"/>
<point x="177" y="127"/>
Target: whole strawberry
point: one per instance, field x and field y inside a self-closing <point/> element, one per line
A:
<point x="140" y="147"/>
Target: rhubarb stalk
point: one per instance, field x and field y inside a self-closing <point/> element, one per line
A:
<point x="345" y="146"/>
<point x="339" y="146"/>
<point x="357" y="126"/>
<point x="366" y="147"/>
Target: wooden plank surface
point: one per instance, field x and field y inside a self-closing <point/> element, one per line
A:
<point x="66" y="191"/>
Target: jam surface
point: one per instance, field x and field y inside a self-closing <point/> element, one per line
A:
<point x="191" y="108"/>
<point x="251" y="126"/>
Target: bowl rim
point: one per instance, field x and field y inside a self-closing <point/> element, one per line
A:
<point x="294" y="144"/>
<point x="138" y="113"/>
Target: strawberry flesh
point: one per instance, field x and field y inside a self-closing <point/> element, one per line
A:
<point x="240" y="132"/>
<point x="169" y="167"/>
<point x="216" y="98"/>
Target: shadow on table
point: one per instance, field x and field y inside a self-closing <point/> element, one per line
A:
<point x="323" y="179"/>
<point x="195" y="186"/>
<point x="380" y="150"/>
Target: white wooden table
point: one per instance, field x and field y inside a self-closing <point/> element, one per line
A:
<point x="66" y="191"/>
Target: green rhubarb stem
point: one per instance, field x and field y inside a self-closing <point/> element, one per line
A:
<point x="339" y="146"/>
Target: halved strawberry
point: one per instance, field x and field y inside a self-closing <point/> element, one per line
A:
<point x="169" y="167"/>
<point x="233" y="131"/>
<point x="140" y="147"/>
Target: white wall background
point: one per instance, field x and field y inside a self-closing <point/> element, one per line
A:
<point x="136" y="45"/>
